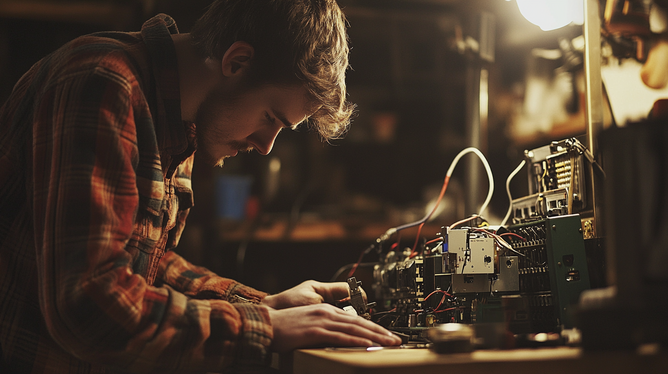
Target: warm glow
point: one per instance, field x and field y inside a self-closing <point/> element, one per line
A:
<point x="552" y="14"/>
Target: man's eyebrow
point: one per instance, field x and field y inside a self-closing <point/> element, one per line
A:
<point x="286" y="123"/>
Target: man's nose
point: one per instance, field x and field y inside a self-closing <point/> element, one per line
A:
<point x="263" y="140"/>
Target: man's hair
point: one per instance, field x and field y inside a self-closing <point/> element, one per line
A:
<point x="295" y="41"/>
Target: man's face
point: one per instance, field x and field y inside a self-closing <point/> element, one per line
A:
<point x="227" y="125"/>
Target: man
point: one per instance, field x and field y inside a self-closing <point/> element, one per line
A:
<point x="96" y="148"/>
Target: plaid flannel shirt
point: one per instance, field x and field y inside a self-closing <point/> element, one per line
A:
<point x="95" y="167"/>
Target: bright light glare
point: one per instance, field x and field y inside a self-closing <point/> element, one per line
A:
<point x="552" y="14"/>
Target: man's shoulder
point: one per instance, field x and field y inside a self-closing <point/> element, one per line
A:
<point x="117" y="54"/>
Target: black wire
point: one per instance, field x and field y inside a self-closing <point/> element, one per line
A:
<point x="347" y="267"/>
<point x="385" y="312"/>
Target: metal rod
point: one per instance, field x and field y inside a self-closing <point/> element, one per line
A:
<point x="593" y="83"/>
<point x="593" y="91"/>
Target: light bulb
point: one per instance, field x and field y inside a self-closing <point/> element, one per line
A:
<point x="552" y="14"/>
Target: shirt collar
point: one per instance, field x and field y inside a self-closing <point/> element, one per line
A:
<point x="170" y="129"/>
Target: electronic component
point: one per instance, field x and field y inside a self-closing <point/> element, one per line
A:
<point x="560" y="183"/>
<point x="552" y="272"/>
<point x="357" y="299"/>
<point x="452" y="338"/>
<point x="557" y="181"/>
<point x="421" y="291"/>
<point x="540" y="205"/>
<point x="475" y="253"/>
<point x="529" y="275"/>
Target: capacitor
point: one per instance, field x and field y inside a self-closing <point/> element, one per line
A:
<point x="429" y="320"/>
<point x="412" y="320"/>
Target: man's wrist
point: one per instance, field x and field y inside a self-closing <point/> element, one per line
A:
<point x="269" y="301"/>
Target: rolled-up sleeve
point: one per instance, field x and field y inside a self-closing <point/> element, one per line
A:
<point x="201" y="283"/>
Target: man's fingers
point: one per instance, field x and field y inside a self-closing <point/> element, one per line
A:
<point x="332" y="291"/>
<point x="350" y="321"/>
<point x="335" y="291"/>
<point x="350" y="335"/>
<point x="357" y="326"/>
<point x="353" y="329"/>
<point x="337" y="338"/>
<point x="324" y="324"/>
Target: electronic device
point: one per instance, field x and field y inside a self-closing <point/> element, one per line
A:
<point x="529" y="275"/>
<point x="559" y="184"/>
<point x="526" y="276"/>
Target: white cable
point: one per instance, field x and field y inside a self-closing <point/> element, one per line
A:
<point x="490" y="177"/>
<point x="448" y="174"/>
<point x="510" y="198"/>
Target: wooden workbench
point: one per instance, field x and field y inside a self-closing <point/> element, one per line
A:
<point x="542" y="361"/>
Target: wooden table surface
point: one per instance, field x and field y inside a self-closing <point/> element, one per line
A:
<point x="560" y="360"/>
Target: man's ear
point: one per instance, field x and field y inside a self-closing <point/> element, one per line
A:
<point x="237" y="58"/>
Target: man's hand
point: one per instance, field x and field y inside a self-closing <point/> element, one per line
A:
<point x="307" y="293"/>
<point x="324" y="325"/>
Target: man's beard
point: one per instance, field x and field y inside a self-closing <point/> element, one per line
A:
<point x="220" y="163"/>
<point x="240" y="147"/>
<point x="205" y="129"/>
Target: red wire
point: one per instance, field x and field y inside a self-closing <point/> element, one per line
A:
<point x="464" y="220"/>
<point x="445" y="310"/>
<point x="439" y="303"/>
<point x="442" y="298"/>
<point x="513" y="234"/>
<point x="417" y="237"/>
<point x="437" y="291"/>
<point x="354" y="268"/>
<point x="446" y="181"/>
<point x="359" y="261"/>
<point x="397" y="243"/>
<point x="433" y="241"/>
